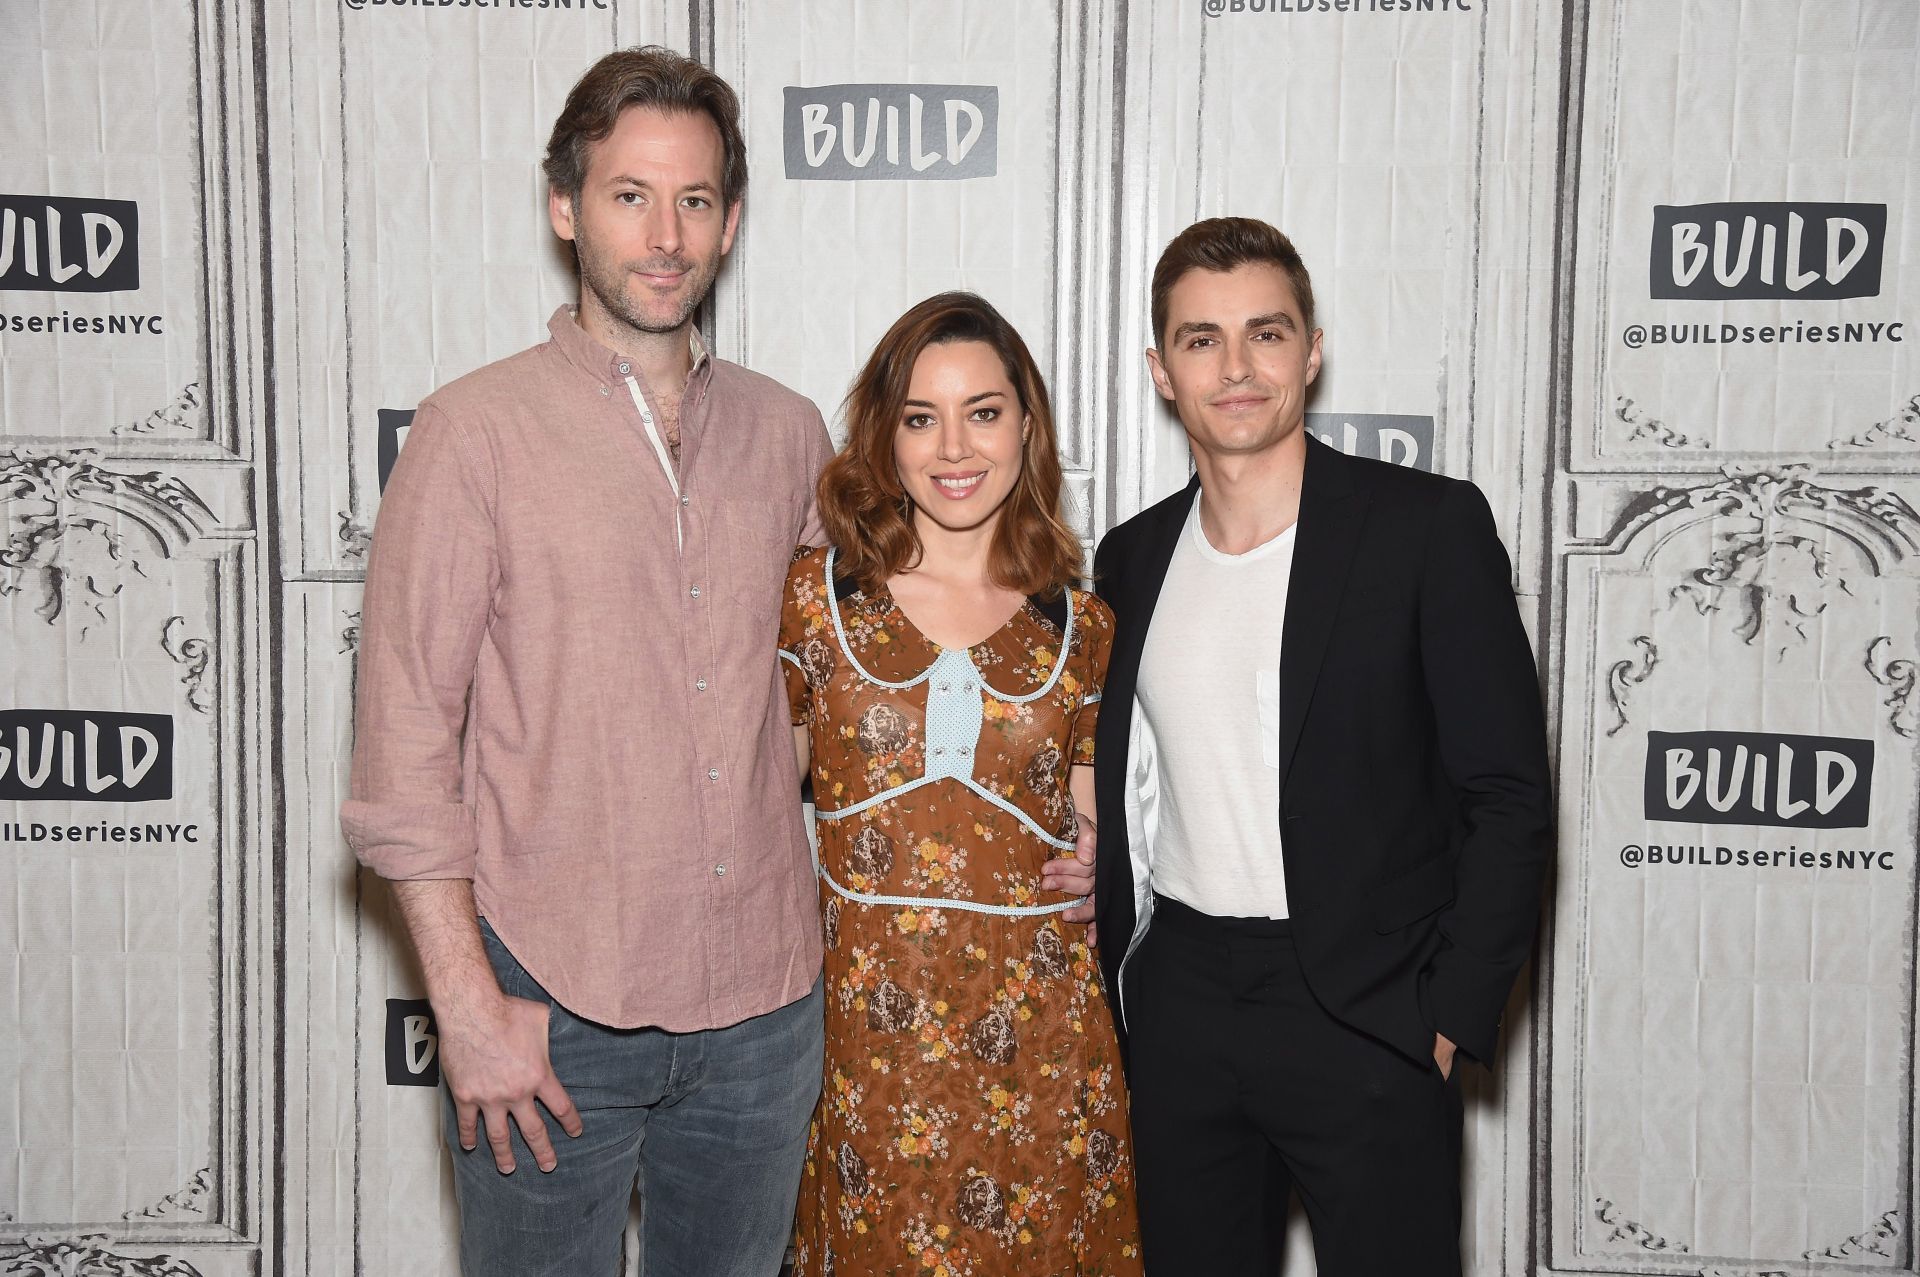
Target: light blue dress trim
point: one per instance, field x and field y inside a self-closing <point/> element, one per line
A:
<point x="954" y="715"/>
<point x="840" y="633"/>
<point x="941" y="902"/>
<point x="841" y="813"/>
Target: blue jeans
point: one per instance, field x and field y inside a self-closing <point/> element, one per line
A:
<point x="712" y="1126"/>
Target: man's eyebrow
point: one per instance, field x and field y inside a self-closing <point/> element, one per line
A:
<point x="627" y="179"/>
<point x="1278" y="318"/>
<point x="1191" y="327"/>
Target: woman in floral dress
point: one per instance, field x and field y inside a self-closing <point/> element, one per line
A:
<point x="944" y="680"/>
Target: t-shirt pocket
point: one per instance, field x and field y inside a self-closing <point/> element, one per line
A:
<point x="1266" y="695"/>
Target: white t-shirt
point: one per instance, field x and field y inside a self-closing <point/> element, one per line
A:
<point x="1210" y="688"/>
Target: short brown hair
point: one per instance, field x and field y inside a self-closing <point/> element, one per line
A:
<point x="649" y="76"/>
<point x="1222" y="244"/>
<point x="862" y="503"/>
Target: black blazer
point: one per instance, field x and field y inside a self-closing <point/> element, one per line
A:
<point x="1415" y="803"/>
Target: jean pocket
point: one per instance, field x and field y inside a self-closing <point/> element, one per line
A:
<point x="514" y="979"/>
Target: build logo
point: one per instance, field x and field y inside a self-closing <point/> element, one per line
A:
<point x="1403" y="440"/>
<point x="892" y="132"/>
<point x="96" y="756"/>
<point x="50" y="244"/>
<point x="413" y="1044"/>
<point x="394" y="424"/>
<point x="1797" y="252"/>
<point x="1759" y="778"/>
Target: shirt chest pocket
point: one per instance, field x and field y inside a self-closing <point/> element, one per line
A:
<point x="753" y="545"/>
<point x="1266" y="697"/>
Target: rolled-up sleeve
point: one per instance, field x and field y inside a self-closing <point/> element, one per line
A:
<point x="431" y="577"/>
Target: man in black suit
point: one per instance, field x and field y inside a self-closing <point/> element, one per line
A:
<point x="1323" y="781"/>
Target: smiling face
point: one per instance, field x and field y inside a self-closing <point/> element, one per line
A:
<point x="960" y="440"/>
<point x="648" y="222"/>
<point x="1236" y="359"/>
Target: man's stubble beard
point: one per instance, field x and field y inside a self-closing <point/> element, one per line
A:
<point x="607" y="281"/>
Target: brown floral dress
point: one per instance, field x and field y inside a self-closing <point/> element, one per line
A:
<point x="973" y="1121"/>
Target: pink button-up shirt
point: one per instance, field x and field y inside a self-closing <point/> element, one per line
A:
<point x="568" y="687"/>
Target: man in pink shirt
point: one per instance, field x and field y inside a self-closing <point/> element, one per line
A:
<point x="573" y="759"/>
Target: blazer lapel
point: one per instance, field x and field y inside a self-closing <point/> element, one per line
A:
<point x="1331" y="510"/>
<point x="1144" y="580"/>
<point x="1133" y="610"/>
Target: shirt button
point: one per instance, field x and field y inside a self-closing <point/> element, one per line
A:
<point x="713" y="773"/>
<point x="625" y="369"/>
<point x="719" y="871"/>
<point x="605" y="391"/>
<point x="700" y="685"/>
<point x="686" y="500"/>
<point x="695" y="591"/>
<point x="966" y="751"/>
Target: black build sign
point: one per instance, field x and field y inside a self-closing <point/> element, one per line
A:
<point x="1759" y="778"/>
<point x="394" y="424"/>
<point x="413" y="1044"/>
<point x="55" y="244"/>
<point x="1743" y="251"/>
<point x="97" y="756"/>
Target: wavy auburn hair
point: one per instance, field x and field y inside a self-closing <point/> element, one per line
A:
<point x="863" y="506"/>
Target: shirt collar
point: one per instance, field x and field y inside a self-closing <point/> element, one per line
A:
<point x="594" y="359"/>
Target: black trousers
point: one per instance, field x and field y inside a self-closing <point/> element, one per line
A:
<point x="1245" y="1090"/>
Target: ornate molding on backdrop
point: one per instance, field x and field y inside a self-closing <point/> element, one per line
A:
<point x="1884" y="526"/>
<point x="88" y="1256"/>
<point x="177" y="415"/>
<point x="354" y="537"/>
<point x="1628" y="1230"/>
<point x="1625" y="675"/>
<point x="1771" y="568"/>
<point x="350" y="647"/>
<point x="195" y="654"/>
<point x="189" y="1201"/>
<point x="1871" y="1242"/>
<point x="1644" y="425"/>
<point x="1899" y="428"/>
<point x="1898" y="677"/>
<point x="1874" y="1241"/>
<point x="65" y="539"/>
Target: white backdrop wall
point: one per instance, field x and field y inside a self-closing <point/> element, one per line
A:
<point x="239" y="239"/>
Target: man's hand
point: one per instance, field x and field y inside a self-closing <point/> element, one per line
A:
<point x="496" y="1065"/>
<point x="1443" y="1050"/>
<point x="1074" y="874"/>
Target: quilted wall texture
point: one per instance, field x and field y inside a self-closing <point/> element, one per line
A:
<point x="1648" y="273"/>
